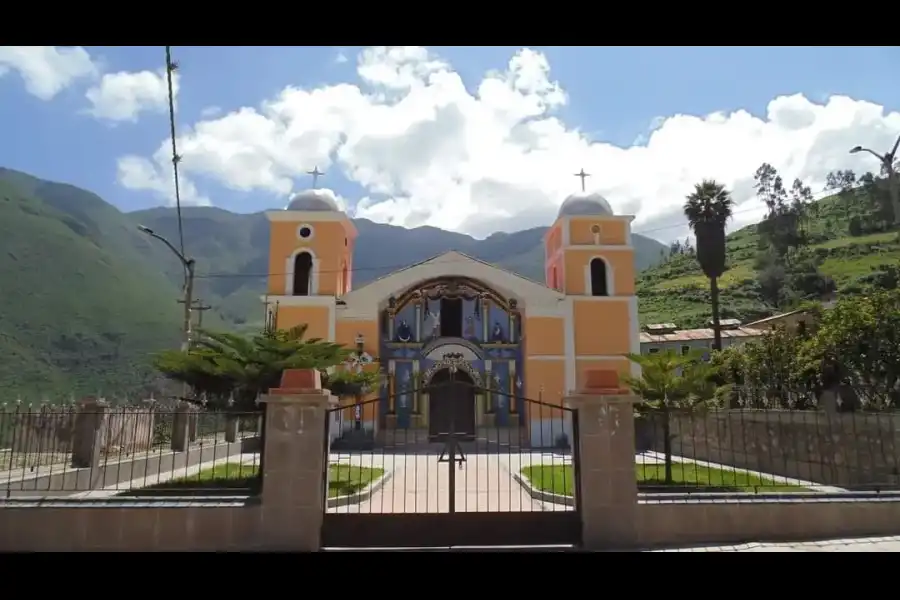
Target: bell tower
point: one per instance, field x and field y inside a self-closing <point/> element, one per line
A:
<point x="589" y="257"/>
<point x="588" y="249"/>
<point x="311" y="246"/>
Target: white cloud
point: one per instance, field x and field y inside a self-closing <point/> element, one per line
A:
<point x="47" y="70"/>
<point x="427" y="150"/>
<point x="137" y="173"/>
<point x="123" y="96"/>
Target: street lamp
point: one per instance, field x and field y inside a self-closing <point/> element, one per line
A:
<point x="887" y="166"/>
<point x="188" y="264"/>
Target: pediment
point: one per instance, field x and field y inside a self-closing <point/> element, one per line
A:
<point x="371" y="298"/>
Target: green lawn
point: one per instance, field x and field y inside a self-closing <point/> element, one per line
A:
<point x="342" y="480"/>
<point x="558" y="479"/>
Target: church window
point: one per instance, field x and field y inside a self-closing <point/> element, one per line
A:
<point x="554" y="281"/>
<point x="451" y="317"/>
<point x="304" y="232"/>
<point x="303" y="264"/>
<point x="599" y="285"/>
<point x="345" y="279"/>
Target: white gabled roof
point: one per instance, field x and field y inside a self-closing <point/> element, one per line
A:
<point x="365" y="302"/>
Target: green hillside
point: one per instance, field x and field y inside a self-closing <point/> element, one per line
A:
<point x="676" y="291"/>
<point x="80" y="308"/>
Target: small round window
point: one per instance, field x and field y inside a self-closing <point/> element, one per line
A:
<point x="304" y="232"/>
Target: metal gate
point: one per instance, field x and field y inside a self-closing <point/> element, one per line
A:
<point x="463" y="466"/>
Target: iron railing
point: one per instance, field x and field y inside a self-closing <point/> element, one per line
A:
<point x="493" y="455"/>
<point x="766" y="446"/>
<point x="98" y="451"/>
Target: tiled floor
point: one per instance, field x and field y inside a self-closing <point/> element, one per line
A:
<point x="878" y="544"/>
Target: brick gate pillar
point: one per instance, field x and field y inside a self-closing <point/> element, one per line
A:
<point x="294" y="462"/>
<point x="608" y="478"/>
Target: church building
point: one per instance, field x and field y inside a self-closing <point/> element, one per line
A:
<point x="510" y="337"/>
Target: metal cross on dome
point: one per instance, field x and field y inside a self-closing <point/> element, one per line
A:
<point x="316" y="173"/>
<point x="583" y="176"/>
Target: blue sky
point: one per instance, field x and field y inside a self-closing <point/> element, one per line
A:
<point x="613" y="98"/>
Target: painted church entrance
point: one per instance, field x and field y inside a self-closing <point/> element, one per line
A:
<point x="451" y="406"/>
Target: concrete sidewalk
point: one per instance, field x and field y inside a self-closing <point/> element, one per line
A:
<point x="875" y="544"/>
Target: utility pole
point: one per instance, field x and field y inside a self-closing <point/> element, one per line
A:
<point x="887" y="169"/>
<point x="188" y="300"/>
<point x="201" y="308"/>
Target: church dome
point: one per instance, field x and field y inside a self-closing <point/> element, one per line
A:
<point x="585" y="203"/>
<point x="314" y="200"/>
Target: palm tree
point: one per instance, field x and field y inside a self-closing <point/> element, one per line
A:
<point x="231" y="370"/>
<point x="670" y="380"/>
<point x="707" y="210"/>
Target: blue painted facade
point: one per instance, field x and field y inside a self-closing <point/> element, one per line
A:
<point x="411" y="344"/>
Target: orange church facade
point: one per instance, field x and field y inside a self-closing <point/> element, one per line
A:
<point x="508" y="336"/>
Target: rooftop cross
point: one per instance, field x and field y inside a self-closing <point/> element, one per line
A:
<point x="583" y="176"/>
<point x="316" y="173"/>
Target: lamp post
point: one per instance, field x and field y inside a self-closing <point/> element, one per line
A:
<point x="188" y="264"/>
<point x="887" y="166"/>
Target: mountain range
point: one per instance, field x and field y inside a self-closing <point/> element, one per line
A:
<point x="87" y="297"/>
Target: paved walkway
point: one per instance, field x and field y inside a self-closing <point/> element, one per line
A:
<point x="879" y="544"/>
<point x="420" y="484"/>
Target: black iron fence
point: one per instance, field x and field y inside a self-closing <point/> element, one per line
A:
<point x="451" y="449"/>
<point x="451" y="464"/>
<point x="97" y="450"/>
<point x="768" y="443"/>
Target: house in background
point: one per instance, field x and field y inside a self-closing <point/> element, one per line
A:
<point x="661" y="337"/>
<point x="789" y="319"/>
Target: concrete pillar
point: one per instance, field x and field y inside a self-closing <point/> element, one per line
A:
<point x="194" y="423"/>
<point x="181" y="425"/>
<point x="232" y="423"/>
<point x="295" y="461"/>
<point x="607" y="472"/>
<point x="87" y="440"/>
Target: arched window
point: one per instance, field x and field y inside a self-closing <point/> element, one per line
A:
<point x="599" y="285"/>
<point x="303" y="264"/>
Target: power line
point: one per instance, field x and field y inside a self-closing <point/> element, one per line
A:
<point x="396" y="267"/>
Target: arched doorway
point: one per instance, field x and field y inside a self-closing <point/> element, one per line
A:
<point x="451" y="405"/>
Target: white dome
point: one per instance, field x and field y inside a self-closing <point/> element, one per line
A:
<point x="314" y="200"/>
<point x="585" y="203"/>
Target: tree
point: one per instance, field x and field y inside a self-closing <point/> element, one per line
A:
<point x="707" y="210"/>
<point x="230" y="371"/>
<point x="767" y="371"/>
<point x="858" y="345"/>
<point x="782" y="227"/>
<point x="671" y="380"/>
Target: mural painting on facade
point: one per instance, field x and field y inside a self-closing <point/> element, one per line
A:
<point x="454" y="324"/>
